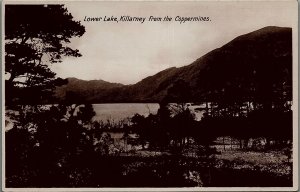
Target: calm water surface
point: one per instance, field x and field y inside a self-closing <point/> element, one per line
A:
<point x="120" y="111"/>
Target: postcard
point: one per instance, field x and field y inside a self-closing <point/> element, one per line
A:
<point x="150" y="95"/>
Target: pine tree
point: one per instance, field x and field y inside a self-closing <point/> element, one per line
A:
<point x="36" y="36"/>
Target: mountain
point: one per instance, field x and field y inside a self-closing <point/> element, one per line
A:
<point x="86" y="90"/>
<point x="260" y="61"/>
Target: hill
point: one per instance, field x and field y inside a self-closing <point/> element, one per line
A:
<point x="251" y="66"/>
<point x="85" y="90"/>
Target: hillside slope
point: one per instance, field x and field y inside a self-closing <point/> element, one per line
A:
<point x="260" y="61"/>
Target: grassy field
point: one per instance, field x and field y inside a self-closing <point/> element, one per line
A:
<point x="275" y="162"/>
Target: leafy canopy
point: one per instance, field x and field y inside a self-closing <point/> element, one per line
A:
<point x="35" y="37"/>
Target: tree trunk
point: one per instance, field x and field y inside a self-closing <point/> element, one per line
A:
<point x="267" y="146"/>
<point x="224" y="143"/>
<point x="246" y="141"/>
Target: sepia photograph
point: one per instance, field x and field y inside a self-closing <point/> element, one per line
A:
<point x="150" y="95"/>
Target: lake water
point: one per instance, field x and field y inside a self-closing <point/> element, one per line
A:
<point x="120" y="111"/>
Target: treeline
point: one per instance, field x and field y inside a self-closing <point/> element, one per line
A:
<point x="166" y="129"/>
<point x="257" y="117"/>
<point x="60" y="145"/>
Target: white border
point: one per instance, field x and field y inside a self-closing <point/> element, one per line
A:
<point x="3" y="97"/>
<point x="294" y="108"/>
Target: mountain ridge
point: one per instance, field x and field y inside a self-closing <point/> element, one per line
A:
<point x="266" y="51"/>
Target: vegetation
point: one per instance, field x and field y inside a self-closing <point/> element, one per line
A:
<point x="60" y="145"/>
<point x="31" y="45"/>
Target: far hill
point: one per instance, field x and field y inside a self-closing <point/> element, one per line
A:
<point x="85" y="90"/>
<point x="259" y="61"/>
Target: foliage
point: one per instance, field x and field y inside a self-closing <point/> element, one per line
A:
<point x="50" y="141"/>
<point x="32" y="44"/>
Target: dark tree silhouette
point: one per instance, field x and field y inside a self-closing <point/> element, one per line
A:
<point x="36" y="36"/>
<point x="52" y="145"/>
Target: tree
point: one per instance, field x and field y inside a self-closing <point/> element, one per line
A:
<point x="51" y="144"/>
<point x="35" y="37"/>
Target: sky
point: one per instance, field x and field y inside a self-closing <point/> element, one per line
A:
<point x="127" y="52"/>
